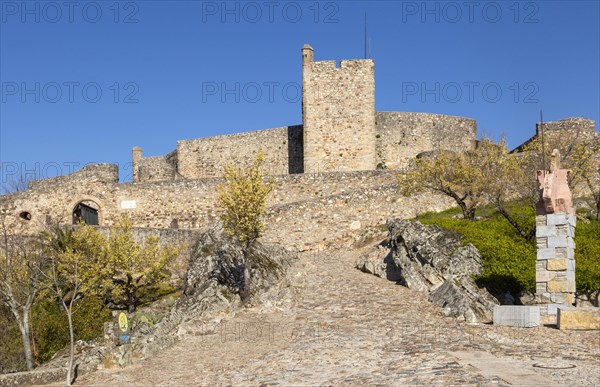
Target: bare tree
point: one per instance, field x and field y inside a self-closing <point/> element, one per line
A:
<point x="21" y="267"/>
<point x="74" y="271"/>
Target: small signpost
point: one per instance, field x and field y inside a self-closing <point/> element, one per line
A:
<point x="124" y="337"/>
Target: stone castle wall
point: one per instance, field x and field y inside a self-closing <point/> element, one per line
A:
<point x="339" y="115"/>
<point x="557" y="132"/>
<point x="206" y="157"/>
<point x="402" y="136"/>
<point x="341" y="132"/>
<point x="574" y="125"/>
<point x="158" y="168"/>
<point x="302" y="209"/>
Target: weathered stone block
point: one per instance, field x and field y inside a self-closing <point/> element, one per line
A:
<point x="540" y="220"/>
<point x="553" y="308"/>
<point x="562" y="230"/>
<point x="570" y="254"/>
<point x="578" y="318"/>
<point x="557" y="241"/>
<point x="541" y="287"/>
<point x="545" y="231"/>
<point x="541" y="243"/>
<point x="562" y="298"/>
<point x="557" y="264"/>
<point x="561" y="252"/>
<point x="544" y="276"/>
<point x="517" y="316"/>
<point x="540" y="265"/>
<point x="560" y="275"/>
<point x="572" y="220"/>
<point x="546" y="254"/>
<point x="554" y="219"/>
<point x="556" y="286"/>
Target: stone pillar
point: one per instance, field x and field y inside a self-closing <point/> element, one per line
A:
<point x="555" y="265"/>
<point x="555" y="230"/>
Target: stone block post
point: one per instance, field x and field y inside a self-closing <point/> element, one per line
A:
<point x="555" y="232"/>
<point x="555" y="265"/>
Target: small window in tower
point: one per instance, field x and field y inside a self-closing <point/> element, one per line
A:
<point x="25" y="215"/>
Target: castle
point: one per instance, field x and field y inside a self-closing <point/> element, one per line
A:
<point x="341" y="132"/>
<point x="334" y="174"/>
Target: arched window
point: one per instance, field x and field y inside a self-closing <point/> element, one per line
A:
<point x="86" y="211"/>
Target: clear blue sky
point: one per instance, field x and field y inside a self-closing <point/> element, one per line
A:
<point x="163" y="69"/>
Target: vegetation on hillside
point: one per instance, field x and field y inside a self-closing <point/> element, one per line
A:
<point x="509" y="259"/>
<point x="63" y="283"/>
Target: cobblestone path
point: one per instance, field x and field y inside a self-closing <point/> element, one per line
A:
<point x="345" y="327"/>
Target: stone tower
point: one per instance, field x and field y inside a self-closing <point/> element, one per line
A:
<point x="338" y="113"/>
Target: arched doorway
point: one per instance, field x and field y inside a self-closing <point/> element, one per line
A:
<point x="86" y="211"/>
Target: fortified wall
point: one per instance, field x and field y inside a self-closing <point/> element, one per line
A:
<point x="572" y="129"/>
<point x="302" y="209"/>
<point x="341" y="132"/>
<point x="336" y="174"/>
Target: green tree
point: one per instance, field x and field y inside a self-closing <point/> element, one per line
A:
<point x="76" y="261"/>
<point x="510" y="177"/>
<point x="243" y="200"/>
<point x="585" y="167"/>
<point x="132" y="267"/>
<point x="457" y="175"/>
<point x="21" y="265"/>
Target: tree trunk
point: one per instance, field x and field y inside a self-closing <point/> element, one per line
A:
<point x="24" y="328"/>
<point x="23" y="324"/>
<point x="517" y="226"/>
<point x="131" y="302"/>
<point x="245" y="293"/>
<point x="72" y="345"/>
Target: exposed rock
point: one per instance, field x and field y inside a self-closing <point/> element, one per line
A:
<point x="429" y="258"/>
<point x="212" y="284"/>
<point x="526" y="298"/>
<point x="379" y="261"/>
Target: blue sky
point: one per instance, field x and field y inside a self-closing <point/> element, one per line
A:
<point x="84" y="81"/>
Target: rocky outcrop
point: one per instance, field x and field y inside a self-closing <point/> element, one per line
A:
<point x="429" y="258"/>
<point x="212" y="284"/>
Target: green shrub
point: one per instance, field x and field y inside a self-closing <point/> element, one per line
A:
<point x="51" y="331"/>
<point x="587" y="256"/>
<point x="509" y="260"/>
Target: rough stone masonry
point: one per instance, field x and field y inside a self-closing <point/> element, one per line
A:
<point x="335" y="171"/>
